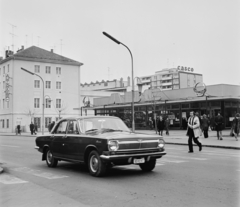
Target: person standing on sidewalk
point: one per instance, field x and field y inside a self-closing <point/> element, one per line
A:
<point x="236" y="126"/>
<point x="219" y="125"/>
<point x="193" y="132"/>
<point x="160" y="125"/>
<point x="205" y="125"/>
<point x="167" y="123"/>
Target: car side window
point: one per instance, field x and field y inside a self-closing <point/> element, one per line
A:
<point x="73" y="127"/>
<point x="61" y="128"/>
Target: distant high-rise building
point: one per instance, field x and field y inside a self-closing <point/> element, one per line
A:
<point x="170" y="79"/>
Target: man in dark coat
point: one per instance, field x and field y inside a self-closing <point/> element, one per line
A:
<point x="219" y="126"/>
<point x="32" y="128"/>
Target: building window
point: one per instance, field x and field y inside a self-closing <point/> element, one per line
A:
<point x="7" y="123"/>
<point x="8" y="68"/>
<point x="48" y="103"/>
<point x="36" y="102"/>
<point x="3" y="123"/>
<point x="36" y="83"/>
<point x="58" y="103"/>
<point x="3" y="103"/>
<point x="37" y="68"/>
<point x="58" y="85"/>
<point x="48" y="69"/>
<point x="48" y="84"/>
<point x="3" y="84"/>
<point x="58" y="70"/>
<point x="3" y="70"/>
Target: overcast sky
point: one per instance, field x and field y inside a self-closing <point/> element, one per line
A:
<point x="202" y="34"/>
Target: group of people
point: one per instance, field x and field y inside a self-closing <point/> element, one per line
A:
<point x="160" y="124"/>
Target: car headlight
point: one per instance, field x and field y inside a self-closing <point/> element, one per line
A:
<point x="161" y="143"/>
<point x="113" y="145"/>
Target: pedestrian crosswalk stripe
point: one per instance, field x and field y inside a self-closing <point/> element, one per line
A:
<point x="39" y="173"/>
<point x="9" y="179"/>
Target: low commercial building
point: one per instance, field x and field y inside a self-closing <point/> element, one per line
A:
<point x="174" y="104"/>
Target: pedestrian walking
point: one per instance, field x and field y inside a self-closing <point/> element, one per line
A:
<point x="205" y="125"/>
<point x="31" y="128"/>
<point x="236" y="126"/>
<point x="219" y="125"/>
<point x="167" y="123"/>
<point x="35" y="127"/>
<point x="160" y="125"/>
<point x="18" y="130"/>
<point x="193" y="132"/>
<point x="212" y="123"/>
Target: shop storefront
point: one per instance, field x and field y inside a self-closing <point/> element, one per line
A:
<point x="176" y="105"/>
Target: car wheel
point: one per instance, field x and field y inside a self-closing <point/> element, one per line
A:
<point x="148" y="166"/>
<point x="50" y="160"/>
<point x="95" y="165"/>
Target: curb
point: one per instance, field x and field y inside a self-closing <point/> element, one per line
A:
<point x="213" y="146"/>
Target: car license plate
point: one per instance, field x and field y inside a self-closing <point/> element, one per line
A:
<point x="137" y="161"/>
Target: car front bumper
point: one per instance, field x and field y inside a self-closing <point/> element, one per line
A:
<point x="134" y="155"/>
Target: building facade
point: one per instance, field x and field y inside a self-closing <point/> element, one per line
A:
<point x="21" y="94"/>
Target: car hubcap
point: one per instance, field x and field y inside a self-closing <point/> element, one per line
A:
<point x="49" y="157"/>
<point x="94" y="163"/>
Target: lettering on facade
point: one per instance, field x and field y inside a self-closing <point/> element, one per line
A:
<point x="186" y="69"/>
<point x="7" y="88"/>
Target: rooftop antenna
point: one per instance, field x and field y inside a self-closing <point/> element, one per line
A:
<point x="38" y="40"/>
<point x="61" y="45"/>
<point x="13" y="26"/>
<point x="26" y="40"/>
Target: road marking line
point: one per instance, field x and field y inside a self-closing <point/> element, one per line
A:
<point x="191" y="158"/>
<point x="8" y="179"/>
<point x="39" y="173"/>
<point x="8" y="145"/>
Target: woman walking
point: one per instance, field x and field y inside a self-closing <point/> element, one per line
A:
<point x="236" y="125"/>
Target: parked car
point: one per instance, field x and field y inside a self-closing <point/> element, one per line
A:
<point x="100" y="142"/>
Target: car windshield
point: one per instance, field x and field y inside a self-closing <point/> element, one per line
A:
<point x="102" y="124"/>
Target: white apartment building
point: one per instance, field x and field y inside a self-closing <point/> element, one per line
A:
<point x="21" y="93"/>
<point x="170" y="79"/>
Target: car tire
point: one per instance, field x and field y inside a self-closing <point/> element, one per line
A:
<point x="50" y="160"/>
<point x="148" y="166"/>
<point x="95" y="165"/>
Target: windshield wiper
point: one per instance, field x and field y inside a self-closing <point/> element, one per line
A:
<point x="91" y="130"/>
<point x="112" y="130"/>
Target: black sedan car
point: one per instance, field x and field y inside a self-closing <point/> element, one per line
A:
<point x="100" y="142"/>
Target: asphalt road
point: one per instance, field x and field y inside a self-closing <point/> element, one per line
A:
<point x="207" y="178"/>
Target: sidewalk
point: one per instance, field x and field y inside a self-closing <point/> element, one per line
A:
<point x="179" y="137"/>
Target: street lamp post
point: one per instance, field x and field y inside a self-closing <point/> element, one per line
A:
<point x="42" y="98"/>
<point x="118" y="42"/>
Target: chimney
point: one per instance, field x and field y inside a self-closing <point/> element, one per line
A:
<point x="51" y="50"/>
<point x="22" y="47"/>
<point x="128" y="81"/>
